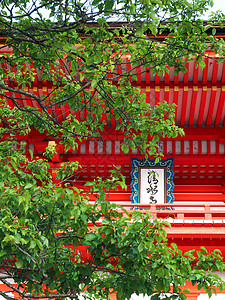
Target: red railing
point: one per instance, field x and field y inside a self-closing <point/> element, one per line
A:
<point x="182" y="211"/>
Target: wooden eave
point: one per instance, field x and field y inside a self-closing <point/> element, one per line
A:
<point x="198" y="218"/>
<point x="200" y="99"/>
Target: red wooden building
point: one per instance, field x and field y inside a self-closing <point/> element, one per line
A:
<point x="199" y="157"/>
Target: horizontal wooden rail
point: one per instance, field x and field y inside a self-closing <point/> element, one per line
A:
<point x="199" y="189"/>
<point x="117" y="197"/>
<point x="121" y="159"/>
<point x="174" y="205"/>
<point x="187" y="189"/>
<point x="199" y="197"/>
<point x="179" y="211"/>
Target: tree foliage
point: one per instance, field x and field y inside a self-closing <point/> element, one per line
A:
<point x="91" y="55"/>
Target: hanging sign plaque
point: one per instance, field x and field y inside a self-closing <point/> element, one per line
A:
<point x="152" y="182"/>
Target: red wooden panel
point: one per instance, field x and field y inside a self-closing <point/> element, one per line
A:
<point x="175" y="100"/>
<point x="157" y="79"/>
<point x="178" y="189"/>
<point x="138" y="70"/>
<point x="178" y="197"/>
<point x="152" y="97"/>
<point x="176" y="79"/>
<point x="186" y="74"/>
<point x="198" y="189"/>
<point x="206" y="208"/>
<point x="193" y="106"/>
<point x="147" y="76"/>
<point x="166" y="79"/>
<point x="199" y="197"/>
<point x="125" y="159"/>
<point x="157" y="94"/>
<point x="215" y="72"/>
<point x="128" y="64"/>
<point x="211" y="106"/>
<point x="205" y="71"/>
<point x="184" y="107"/>
<point x="202" y="107"/>
<point x="220" y="107"/>
<point x="166" y="94"/>
<point x="195" y="75"/>
<point x="148" y="94"/>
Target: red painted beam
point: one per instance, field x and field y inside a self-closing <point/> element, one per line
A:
<point x="199" y="189"/>
<point x="195" y="232"/>
<point x="205" y="71"/>
<point x="190" y="189"/>
<point x="193" y="105"/>
<point x="125" y="159"/>
<point x="195" y="75"/>
<point x="110" y="134"/>
<point x="215" y="72"/>
<point x="178" y="197"/>
<point x="211" y="106"/>
<point x="220" y="107"/>
<point x="184" y="107"/>
<point x="186" y="74"/>
<point x="175" y="101"/>
<point x="202" y="107"/>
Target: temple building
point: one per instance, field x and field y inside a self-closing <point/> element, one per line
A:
<point x="198" y="211"/>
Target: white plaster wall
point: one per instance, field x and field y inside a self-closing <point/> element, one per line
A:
<point x="214" y="297"/>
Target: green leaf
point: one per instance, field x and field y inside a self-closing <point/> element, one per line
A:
<point x="19" y="263"/>
<point x="210" y="293"/>
<point x="125" y="148"/>
<point x="204" y="249"/>
<point x="131" y="144"/>
<point x="217" y="251"/>
<point x="3" y="253"/>
<point x="90" y="237"/>
<point x="120" y="295"/>
<point x="109" y="4"/>
<point x="81" y="76"/>
<point x="202" y="64"/>
<point x="67" y="148"/>
<point x="28" y="186"/>
<point x="102" y="195"/>
<point x="155" y="139"/>
<point x="94" y="83"/>
<point x="32" y="244"/>
<point x="90" y="60"/>
<point x="31" y="154"/>
<point x="207" y="27"/>
<point x="104" y="207"/>
<point x="39" y="244"/>
<point x="140" y="247"/>
<point x="88" y="183"/>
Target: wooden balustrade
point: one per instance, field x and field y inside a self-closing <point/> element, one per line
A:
<point x="182" y="211"/>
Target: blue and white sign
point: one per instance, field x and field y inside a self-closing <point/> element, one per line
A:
<point x="152" y="182"/>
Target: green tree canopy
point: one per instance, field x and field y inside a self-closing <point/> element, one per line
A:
<point x="93" y="52"/>
<point x="90" y="54"/>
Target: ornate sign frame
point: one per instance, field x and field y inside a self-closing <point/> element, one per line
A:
<point x="152" y="182"/>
